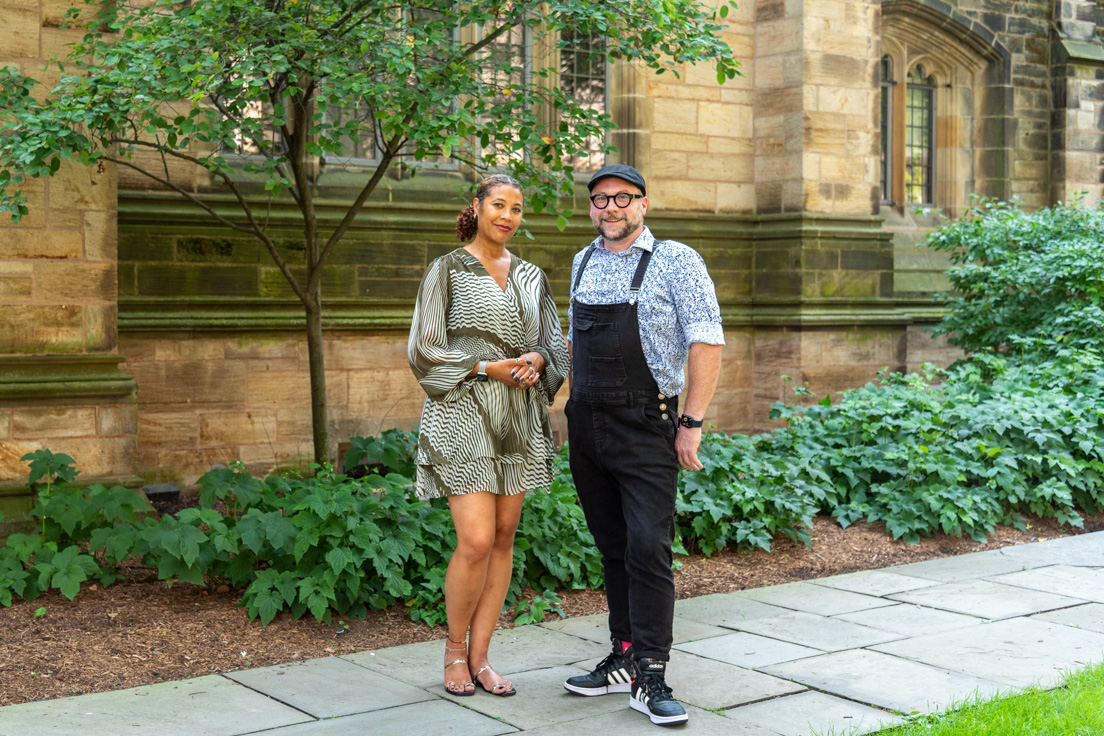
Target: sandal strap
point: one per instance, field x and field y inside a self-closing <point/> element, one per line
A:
<point x="457" y="661"/>
<point x="484" y="668"/>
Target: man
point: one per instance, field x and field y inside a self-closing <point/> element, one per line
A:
<point x="640" y="310"/>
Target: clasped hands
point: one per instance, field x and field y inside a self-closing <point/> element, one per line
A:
<point x="521" y="372"/>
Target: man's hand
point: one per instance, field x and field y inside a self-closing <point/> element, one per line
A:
<point x="686" y="446"/>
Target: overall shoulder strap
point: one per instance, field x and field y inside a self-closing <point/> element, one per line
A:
<point x="582" y="265"/>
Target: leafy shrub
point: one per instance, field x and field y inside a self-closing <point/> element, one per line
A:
<point x="1024" y="279"/>
<point x="998" y="437"/>
<point x="743" y="497"/>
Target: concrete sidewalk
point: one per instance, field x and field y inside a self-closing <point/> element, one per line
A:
<point x="840" y="655"/>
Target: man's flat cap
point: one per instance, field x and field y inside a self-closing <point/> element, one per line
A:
<point x="621" y="171"/>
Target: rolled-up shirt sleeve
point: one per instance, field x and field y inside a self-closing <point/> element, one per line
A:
<point x="441" y="372"/>
<point x="695" y="298"/>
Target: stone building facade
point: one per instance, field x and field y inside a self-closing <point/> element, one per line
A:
<point x="147" y="343"/>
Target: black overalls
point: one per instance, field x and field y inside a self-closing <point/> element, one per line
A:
<point x="621" y="433"/>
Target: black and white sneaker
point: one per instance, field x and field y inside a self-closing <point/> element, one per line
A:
<point x="652" y="697"/>
<point x="612" y="675"/>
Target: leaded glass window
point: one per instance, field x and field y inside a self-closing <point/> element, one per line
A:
<point x="919" y="138"/>
<point x="583" y="78"/>
<point x="505" y="72"/>
<point x="887" y="83"/>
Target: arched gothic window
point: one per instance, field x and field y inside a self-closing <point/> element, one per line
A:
<point x="908" y="124"/>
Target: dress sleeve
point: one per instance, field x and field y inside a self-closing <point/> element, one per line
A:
<point x="441" y="372"/>
<point x="552" y="346"/>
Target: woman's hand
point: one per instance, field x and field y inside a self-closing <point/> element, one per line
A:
<point x="521" y="372"/>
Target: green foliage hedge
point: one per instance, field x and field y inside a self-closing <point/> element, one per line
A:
<point x="1024" y="280"/>
<point x="1016" y="429"/>
<point x="322" y="544"/>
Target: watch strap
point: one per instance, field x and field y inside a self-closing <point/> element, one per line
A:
<point x="689" y="422"/>
<point x="481" y="371"/>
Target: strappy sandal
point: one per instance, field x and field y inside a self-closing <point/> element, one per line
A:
<point x="499" y="689"/>
<point x="451" y="687"/>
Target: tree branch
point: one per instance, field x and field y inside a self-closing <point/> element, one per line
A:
<point x="182" y="192"/>
<point x="254" y="228"/>
<point x="355" y="207"/>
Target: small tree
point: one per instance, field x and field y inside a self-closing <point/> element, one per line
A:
<point x="288" y="81"/>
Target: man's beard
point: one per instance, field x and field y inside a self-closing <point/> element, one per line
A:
<point x="622" y="228"/>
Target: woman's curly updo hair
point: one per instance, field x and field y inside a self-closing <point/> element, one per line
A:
<point x="466" y="224"/>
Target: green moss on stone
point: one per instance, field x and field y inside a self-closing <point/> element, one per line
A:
<point x="218" y="250"/>
<point x="145" y="247"/>
<point x="194" y="280"/>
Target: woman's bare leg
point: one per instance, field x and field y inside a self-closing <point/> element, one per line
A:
<point x="473" y="515"/>
<point x="500" y="569"/>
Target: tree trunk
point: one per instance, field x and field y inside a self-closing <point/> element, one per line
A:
<point x="317" y="362"/>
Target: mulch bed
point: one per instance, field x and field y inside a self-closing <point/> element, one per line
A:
<point x="141" y="631"/>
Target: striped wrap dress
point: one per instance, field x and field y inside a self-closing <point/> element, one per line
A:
<point x="483" y="435"/>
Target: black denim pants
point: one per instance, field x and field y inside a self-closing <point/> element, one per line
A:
<point x="625" y="469"/>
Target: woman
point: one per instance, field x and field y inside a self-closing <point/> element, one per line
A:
<point x="487" y="348"/>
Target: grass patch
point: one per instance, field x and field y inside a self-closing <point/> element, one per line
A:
<point x="1075" y="709"/>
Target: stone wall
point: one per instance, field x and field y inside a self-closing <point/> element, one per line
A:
<point x="215" y="340"/>
<point x="207" y="399"/>
<point x="60" y="386"/>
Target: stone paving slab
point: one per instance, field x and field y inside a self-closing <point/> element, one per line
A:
<point x="203" y="706"/>
<point x="965" y="567"/>
<point x="909" y="620"/>
<point x="629" y="722"/>
<point x="811" y="712"/>
<point x="512" y="650"/>
<point x="874" y="582"/>
<point x="715" y="685"/>
<point x="596" y="628"/>
<point x="1085" y="583"/>
<point x="886" y="681"/>
<point x="433" y="718"/>
<point x="747" y="650"/>
<point x="813" y="598"/>
<point x="986" y="599"/>
<point x="818" y="632"/>
<point x="730" y="610"/>
<point x="330" y="687"/>
<point x="543" y="701"/>
<point x="1021" y="652"/>
<point x="1086" y="550"/>
<point x="1089" y="617"/>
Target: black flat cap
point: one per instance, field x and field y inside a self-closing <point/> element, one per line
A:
<point x="621" y="171"/>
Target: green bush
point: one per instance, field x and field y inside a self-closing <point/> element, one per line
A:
<point x="995" y="438"/>
<point x="1024" y="280"/>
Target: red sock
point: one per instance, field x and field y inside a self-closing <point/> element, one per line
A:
<point x="625" y="646"/>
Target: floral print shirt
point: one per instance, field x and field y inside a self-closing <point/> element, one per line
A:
<point x="677" y="303"/>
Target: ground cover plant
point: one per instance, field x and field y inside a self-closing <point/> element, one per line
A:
<point x="1071" y="710"/>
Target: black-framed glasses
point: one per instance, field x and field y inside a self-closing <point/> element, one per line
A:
<point x="621" y="199"/>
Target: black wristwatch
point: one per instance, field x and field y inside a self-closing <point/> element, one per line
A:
<point x="689" y="422"/>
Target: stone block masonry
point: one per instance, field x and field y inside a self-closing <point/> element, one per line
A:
<point x="60" y="385"/>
